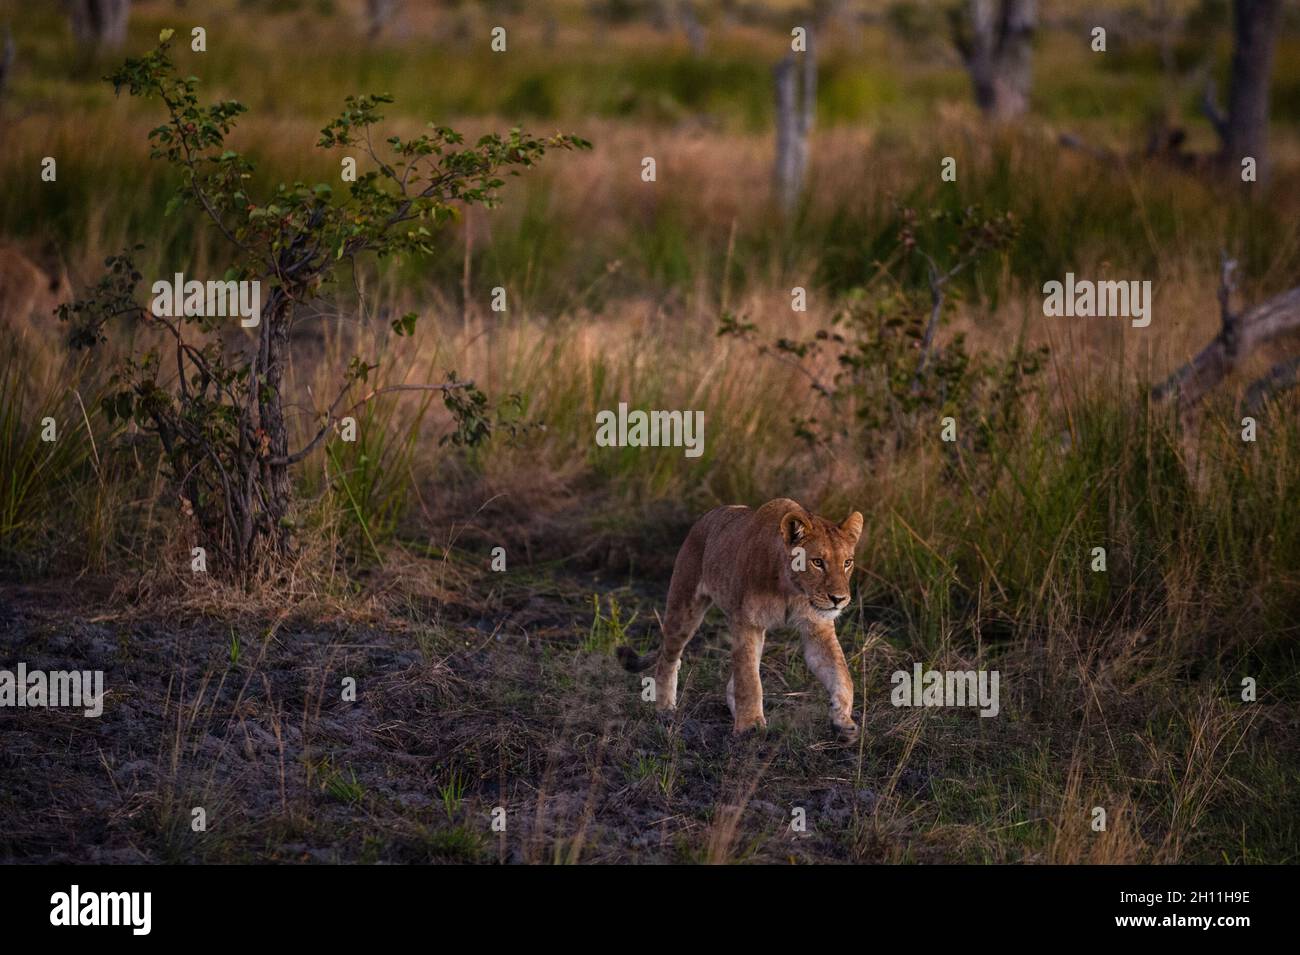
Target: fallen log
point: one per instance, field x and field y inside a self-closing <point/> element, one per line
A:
<point x="1240" y="334"/>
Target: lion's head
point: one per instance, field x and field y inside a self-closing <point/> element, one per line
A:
<point x="821" y="559"/>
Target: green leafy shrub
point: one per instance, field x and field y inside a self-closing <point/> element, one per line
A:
<point x="220" y="414"/>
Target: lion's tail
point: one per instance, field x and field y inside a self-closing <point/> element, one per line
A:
<point x="634" y="662"/>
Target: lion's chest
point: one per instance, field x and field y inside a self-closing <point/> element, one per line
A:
<point x="768" y="611"/>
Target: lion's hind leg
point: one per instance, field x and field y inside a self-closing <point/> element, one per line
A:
<point x="687" y="605"/>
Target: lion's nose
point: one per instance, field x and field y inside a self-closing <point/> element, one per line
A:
<point x="837" y="599"/>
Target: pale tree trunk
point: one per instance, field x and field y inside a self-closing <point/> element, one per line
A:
<point x="995" y="39"/>
<point x="695" y="33"/>
<point x="99" y="24"/>
<point x="378" y="13"/>
<point x="795" y="110"/>
<point x="668" y="14"/>
<point x="1244" y="130"/>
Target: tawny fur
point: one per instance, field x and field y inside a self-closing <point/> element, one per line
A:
<point x="745" y="562"/>
<point x="28" y="296"/>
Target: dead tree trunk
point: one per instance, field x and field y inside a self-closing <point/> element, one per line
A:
<point x="795" y="110"/>
<point x="6" y="61"/>
<point x="99" y="24"/>
<point x="995" y="39"/>
<point x="1239" y="335"/>
<point x="1244" y="130"/>
<point x="695" y="33"/>
<point x="378" y="13"/>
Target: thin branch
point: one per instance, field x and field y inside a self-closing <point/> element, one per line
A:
<point x="331" y="417"/>
<point x="1227" y="285"/>
<point x="1071" y="141"/>
<point x="1283" y="375"/>
<point x="194" y="355"/>
<point x="937" y="282"/>
<point x="191" y="165"/>
<point x="1210" y="107"/>
<point x="785" y="358"/>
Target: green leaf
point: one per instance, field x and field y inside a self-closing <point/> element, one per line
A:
<point x="406" y="324"/>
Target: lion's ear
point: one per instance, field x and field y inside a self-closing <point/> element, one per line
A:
<point x="793" y="529"/>
<point x="853" y="525"/>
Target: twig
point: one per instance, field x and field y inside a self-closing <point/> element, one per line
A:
<point x="1210" y="107"/>
<point x="937" y="282"/>
<point x="1283" y="375"/>
<point x="1071" y="141"/>
<point x="1227" y="285"/>
<point x="331" y="417"/>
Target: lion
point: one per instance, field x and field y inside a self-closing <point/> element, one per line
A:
<point x="28" y="297"/>
<point x="775" y="566"/>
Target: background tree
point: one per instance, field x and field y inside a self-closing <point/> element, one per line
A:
<point x="6" y="60"/>
<point x="99" y="24"/>
<point x="795" y="80"/>
<point x="995" y="39"/>
<point x="378" y="15"/>
<point x="221" y="419"/>
<point x="1244" y="129"/>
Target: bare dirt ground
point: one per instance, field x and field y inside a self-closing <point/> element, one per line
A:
<point x="459" y="714"/>
<point x="287" y="770"/>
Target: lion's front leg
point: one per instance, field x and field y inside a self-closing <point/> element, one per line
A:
<point x="821" y="649"/>
<point x="745" y="691"/>
<point x="666" y="682"/>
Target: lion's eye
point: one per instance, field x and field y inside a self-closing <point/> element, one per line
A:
<point x="849" y="562"/>
<point x="818" y="563"/>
